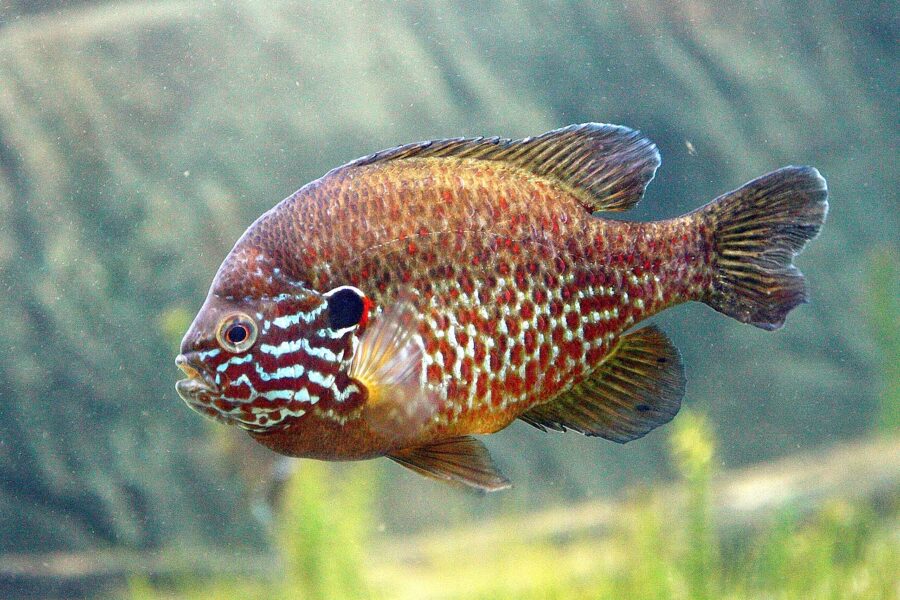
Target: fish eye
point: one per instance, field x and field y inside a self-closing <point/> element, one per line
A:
<point x="346" y="306"/>
<point x="236" y="332"/>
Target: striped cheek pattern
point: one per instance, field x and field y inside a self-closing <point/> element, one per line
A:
<point x="297" y="367"/>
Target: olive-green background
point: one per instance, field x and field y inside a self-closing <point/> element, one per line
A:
<point x="138" y="140"/>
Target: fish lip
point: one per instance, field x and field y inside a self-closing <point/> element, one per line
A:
<point x="198" y="381"/>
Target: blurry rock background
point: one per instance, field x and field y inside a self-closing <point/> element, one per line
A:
<point x="139" y="139"/>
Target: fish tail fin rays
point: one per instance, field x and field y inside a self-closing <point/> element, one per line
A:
<point x="460" y="460"/>
<point x="637" y="388"/>
<point x="607" y="167"/>
<point x="758" y="229"/>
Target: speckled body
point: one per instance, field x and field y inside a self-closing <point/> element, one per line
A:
<point x="428" y="292"/>
<point x="521" y="291"/>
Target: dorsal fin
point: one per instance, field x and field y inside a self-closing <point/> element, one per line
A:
<point x="607" y="167"/>
<point x="636" y="388"/>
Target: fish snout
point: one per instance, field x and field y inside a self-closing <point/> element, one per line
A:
<point x="199" y="380"/>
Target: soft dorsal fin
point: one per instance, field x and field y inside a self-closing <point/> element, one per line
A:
<point x="636" y="388"/>
<point x="463" y="460"/>
<point x="607" y="167"/>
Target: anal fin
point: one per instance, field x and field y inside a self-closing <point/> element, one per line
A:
<point x="462" y="460"/>
<point x="636" y="388"/>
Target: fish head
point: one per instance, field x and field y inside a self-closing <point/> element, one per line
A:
<point x="260" y="356"/>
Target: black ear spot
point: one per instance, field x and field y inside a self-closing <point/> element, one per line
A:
<point x="345" y="307"/>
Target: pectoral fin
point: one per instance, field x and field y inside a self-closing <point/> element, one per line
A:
<point x="462" y="460"/>
<point x="636" y="388"/>
<point x="388" y="363"/>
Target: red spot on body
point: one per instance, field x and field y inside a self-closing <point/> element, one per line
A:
<point x="558" y="336"/>
<point x="515" y="355"/>
<point x="497" y="393"/>
<point x="572" y="320"/>
<point x="496" y="359"/>
<point x="530" y="341"/>
<point x="462" y="338"/>
<point x="454" y="389"/>
<point x="545" y="354"/>
<point x="527" y="311"/>
<point x="514" y="384"/>
<point x="479" y="351"/>
<point x="513" y="326"/>
<point x="224" y="405"/>
<point x="447" y="195"/>
<point x="446" y="351"/>
<point x="368" y="305"/>
<point x="594" y="355"/>
<point x="431" y="345"/>
<point x="434" y="373"/>
<point x="485" y="326"/>
<point x="465" y="369"/>
<point x="560" y="264"/>
<point x="592" y="331"/>
<point x="531" y="375"/>
<point x="481" y="387"/>
<point x="556" y="308"/>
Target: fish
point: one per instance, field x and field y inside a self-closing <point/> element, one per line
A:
<point x="416" y="297"/>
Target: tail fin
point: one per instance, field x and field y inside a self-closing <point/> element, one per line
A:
<point x="757" y="231"/>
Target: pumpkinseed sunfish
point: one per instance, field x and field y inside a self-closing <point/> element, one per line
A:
<point x="428" y="292"/>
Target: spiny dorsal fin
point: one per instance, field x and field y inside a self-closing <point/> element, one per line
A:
<point x="636" y="388"/>
<point x="463" y="460"/>
<point x="607" y="167"/>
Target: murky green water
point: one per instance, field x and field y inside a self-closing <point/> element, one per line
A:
<point x="138" y="140"/>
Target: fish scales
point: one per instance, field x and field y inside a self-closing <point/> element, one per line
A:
<point x="514" y="276"/>
<point x="412" y="298"/>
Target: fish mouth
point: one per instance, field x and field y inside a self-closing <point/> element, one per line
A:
<point x="199" y="381"/>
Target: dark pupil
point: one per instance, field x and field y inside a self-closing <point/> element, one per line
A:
<point x="345" y="308"/>
<point x="237" y="334"/>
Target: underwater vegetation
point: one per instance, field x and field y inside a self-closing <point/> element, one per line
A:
<point x="326" y="526"/>
<point x="137" y="141"/>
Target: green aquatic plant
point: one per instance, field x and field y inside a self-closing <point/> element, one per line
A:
<point x="693" y="449"/>
<point x="323" y="530"/>
<point x="883" y="303"/>
<point x="661" y="544"/>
